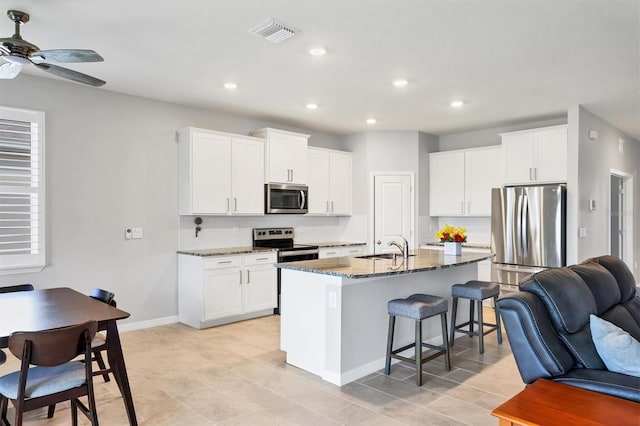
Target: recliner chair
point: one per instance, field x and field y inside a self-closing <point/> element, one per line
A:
<point x="547" y="323"/>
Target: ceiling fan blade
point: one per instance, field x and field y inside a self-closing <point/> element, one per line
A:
<point x="67" y="55"/>
<point x="9" y="70"/>
<point x="70" y="74"/>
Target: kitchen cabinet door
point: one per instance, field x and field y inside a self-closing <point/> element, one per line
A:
<point x="518" y="153"/>
<point x="318" y="181"/>
<point x="287" y="157"/>
<point x="536" y="156"/>
<point x="340" y="185"/>
<point x="446" y="183"/>
<point x="551" y="155"/>
<point x="222" y="293"/>
<point x="247" y="175"/>
<point x="260" y="288"/>
<point x="483" y="171"/>
<point x="205" y="184"/>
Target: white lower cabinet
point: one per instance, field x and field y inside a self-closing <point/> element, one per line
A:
<point x="328" y="252"/>
<point x="223" y="289"/>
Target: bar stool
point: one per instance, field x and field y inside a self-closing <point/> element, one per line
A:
<point x="417" y="307"/>
<point x="475" y="291"/>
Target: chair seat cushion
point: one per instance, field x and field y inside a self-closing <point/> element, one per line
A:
<point x="476" y="290"/>
<point x="98" y="340"/>
<point x="418" y="306"/>
<point x="44" y="380"/>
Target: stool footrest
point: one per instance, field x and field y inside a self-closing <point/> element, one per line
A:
<point x="423" y="359"/>
<point x="490" y="328"/>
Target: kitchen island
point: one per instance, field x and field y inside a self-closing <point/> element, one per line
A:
<point x="334" y="311"/>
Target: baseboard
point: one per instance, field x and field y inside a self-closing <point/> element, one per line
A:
<point x="139" y="325"/>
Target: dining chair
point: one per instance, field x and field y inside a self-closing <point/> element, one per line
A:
<point x="54" y="377"/>
<point x="99" y="342"/>
<point x="12" y="289"/>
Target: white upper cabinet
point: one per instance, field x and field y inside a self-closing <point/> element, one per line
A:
<point x="460" y="181"/>
<point x="220" y="173"/>
<point x="536" y="155"/>
<point x="285" y="156"/>
<point x="330" y="183"/>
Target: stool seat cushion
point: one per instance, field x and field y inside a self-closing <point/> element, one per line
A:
<point x="418" y="306"/>
<point x="475" y="290"/>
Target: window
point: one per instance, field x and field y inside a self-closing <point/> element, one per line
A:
<point x="21" y="191"/>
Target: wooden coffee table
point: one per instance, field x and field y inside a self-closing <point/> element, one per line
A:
<point x="551" y="403"/>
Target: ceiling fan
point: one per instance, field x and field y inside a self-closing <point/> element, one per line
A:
<point x="17" y="52"/>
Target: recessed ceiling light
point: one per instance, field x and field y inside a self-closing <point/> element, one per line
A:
<point x="400" y="83"/>
<point x="371" y="121"/>
<point x="318" y="51"/>
<point x="230" y="86"/>
<point x="312" y="106"/>
<point x="457" y="104"/>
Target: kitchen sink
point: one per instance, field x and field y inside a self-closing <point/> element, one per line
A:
<point x="381" y="256"/>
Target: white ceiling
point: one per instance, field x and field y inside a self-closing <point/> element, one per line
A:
<point x="509" y="60"/>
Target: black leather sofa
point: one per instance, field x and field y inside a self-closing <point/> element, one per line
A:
<point x="547" y="323"/>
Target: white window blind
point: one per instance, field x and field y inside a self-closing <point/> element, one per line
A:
<point x="21" y="190"/>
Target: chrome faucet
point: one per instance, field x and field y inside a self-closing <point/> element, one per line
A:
<point x="404" y="249"/>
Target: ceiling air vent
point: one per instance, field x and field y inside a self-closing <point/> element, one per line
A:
<point x="273" y="31"/>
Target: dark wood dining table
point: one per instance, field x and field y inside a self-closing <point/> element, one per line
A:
<point x="60" y="307"/>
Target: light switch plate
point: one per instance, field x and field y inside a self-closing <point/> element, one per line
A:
<point x="582" y="232"/>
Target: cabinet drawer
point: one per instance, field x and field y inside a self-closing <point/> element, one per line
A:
<point x="222" y="262"/>
<point x="353" y="250"/>
<point x="260" y="258"/>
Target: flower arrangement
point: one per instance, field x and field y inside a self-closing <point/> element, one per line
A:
<point x="452" y="234"/>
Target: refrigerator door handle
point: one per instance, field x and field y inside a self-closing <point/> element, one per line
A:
<point x="518" y="228"/>
<point x="525" y="226"/>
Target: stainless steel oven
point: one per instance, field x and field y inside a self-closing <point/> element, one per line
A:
<point x="282" y="239"/>
<point x="286" y="198"/>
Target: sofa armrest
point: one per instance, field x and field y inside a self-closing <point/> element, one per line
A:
<point x="603" y="381"/>
<point x="538" y="351"/>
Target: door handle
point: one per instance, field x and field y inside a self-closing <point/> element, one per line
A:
<point x="303" y="199"/>
<point x="291" y="175"/>
<point x="535" y="173"/>
<point x="530" y="173"/>
<point x="378" y="242"/>
<point x="248" y="280"/>
<point x="227" y="204"/>
<point x="288" y="175"/>
<point x="332" y="207"/>
<point x="240" y="276"/>
<point x="235" y="204"/>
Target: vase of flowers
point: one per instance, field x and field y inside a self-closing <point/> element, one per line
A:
<point x="453" y="238"/>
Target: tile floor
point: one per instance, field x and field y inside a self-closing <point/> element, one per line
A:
<point x="236" y="375"/>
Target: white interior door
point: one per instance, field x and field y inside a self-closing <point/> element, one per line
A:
<point x="392" y="210"/>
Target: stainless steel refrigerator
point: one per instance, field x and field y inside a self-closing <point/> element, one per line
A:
<point x="528" y="227"/>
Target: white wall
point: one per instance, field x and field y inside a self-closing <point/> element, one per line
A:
<point x="112" y="163"/>
<point x="596" y="159"/>
<point x="490" y="136"/>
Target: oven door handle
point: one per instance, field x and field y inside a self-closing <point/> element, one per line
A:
<point x="296" y="253"/>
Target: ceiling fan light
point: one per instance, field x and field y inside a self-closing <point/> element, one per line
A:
<point x="10" y="70"/>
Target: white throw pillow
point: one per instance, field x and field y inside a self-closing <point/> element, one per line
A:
<point x="619" y="351"/>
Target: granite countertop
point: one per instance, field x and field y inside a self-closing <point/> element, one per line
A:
<point x="337" y="244"/>
<point x="226" y="251"/>
<point x="355" y="267"/>
<point x="470" y="245"/>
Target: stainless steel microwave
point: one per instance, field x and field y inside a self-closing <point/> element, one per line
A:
<point x="283" y="198"/>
